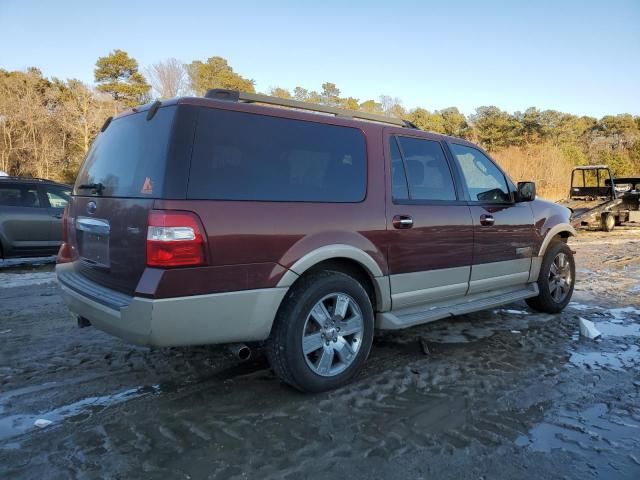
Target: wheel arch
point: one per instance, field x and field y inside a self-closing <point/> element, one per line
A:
<point x="561" y="230"/>
<point x="349" y="260"/>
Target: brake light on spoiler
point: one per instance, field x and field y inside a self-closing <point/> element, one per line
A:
<point x="174" y="239"/>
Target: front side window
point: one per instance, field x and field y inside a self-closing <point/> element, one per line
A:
<point x="243" y="156"/>
<point x="485" y="182"/>
<point x="426" y="169"/>
<point x="58" y="198"/>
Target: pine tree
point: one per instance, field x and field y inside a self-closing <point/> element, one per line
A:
<point x="118" y="75"/>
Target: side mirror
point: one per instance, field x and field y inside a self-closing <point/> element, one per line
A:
<point x="526" y="192"/>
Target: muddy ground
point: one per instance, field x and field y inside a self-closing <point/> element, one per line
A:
<point x="506" y="393"/>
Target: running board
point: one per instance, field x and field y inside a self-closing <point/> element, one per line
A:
<point x="398" y="319"/>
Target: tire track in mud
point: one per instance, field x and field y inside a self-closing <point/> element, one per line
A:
<point x="463" y="396"/>
<point x="501" y="391"/>
<point x="456" y="398"/>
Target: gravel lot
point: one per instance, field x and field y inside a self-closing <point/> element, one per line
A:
<point x="507" y="393"/>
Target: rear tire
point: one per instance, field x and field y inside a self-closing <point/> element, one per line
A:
<point x="556" y="279"/>
<point x="322" y="333"/>
<point x="607" y="222"/>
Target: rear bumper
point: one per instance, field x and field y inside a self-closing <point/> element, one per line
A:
<point x="241" y="316"/>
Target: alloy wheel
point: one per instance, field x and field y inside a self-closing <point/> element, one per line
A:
<point x="332" y="334"/>
<point x="560" y="278"/>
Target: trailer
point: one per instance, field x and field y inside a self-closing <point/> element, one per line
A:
<point x="597" y="200"/>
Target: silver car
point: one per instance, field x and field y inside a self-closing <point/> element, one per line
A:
<point x="31" y="216"/>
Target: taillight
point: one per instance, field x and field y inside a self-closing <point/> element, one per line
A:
<point x="64" y="254"/>
<point x="174" y="239"/>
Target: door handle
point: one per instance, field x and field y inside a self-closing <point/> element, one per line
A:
<point x="402" y="221"/>
<point x="487" y="220"/>
<point x="57" y="215"/>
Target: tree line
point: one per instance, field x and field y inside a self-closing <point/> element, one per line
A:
<point x="48" y="124"/>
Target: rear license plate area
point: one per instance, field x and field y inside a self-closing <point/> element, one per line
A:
<point x="93" y="241"/>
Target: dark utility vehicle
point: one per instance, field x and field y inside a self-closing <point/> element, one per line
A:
<point x="225" y="220"/>
<point x="596" y="199"/>
<point x="31" y="216"/>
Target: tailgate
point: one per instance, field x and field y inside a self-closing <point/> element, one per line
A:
<point x="109" y="236"/>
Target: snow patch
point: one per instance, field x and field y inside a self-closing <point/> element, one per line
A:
<point x="583" y="307"/>
<point x="623" y="313"/>
<point x="588" y="329"/>
<point x="16" y="262"/>
<point x="14" y="280"/>
<point x="514" y="312"/>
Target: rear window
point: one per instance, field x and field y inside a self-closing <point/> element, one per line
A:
<point x="19" y="196"/>
<point x="243" y="156"/>
<point x="129" y="157"/>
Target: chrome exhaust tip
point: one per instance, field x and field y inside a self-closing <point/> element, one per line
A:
<point x="240" y="351"/>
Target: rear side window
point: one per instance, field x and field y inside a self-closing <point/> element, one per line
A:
<point x="19" y="196"/>
<point x="485" y="182"/>
<point x="242" y="156"/>
<point x="426" y="169"/>
<point x="129" y="157"/>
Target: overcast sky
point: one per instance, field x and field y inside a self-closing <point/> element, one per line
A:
<point x="581" y="57"/>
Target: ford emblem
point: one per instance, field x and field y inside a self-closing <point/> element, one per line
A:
<point x="92" y="207"/>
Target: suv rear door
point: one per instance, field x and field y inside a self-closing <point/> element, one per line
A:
<point x="503" y="230"/>
<point x="428" y="222"/>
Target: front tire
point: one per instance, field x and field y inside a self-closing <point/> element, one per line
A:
<point x="322" y="333"/>
<point x="556" y="279"/>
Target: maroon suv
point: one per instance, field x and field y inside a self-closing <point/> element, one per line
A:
<point x="225" y="220"/>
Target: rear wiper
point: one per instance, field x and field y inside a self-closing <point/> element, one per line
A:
<point x="92" y="186"/>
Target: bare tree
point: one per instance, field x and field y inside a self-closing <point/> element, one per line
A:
<point x="391" y="106"/>
<point x="168" y="78"/>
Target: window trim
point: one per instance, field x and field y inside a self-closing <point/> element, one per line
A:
<point x="508" y="182"/>
<point x="200" y="111"/>
<point x="414" y="201"/>
<point x="394" y="138"/>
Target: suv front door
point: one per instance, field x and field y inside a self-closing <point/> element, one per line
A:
<point x="58" y="197"/>
<point x="503" y="230"/>
<point x="24" y="220"/>
<point x="429" y="225"/>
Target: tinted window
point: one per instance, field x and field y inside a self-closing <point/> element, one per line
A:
<point x="398" y="177"/>
<point x="242" y="156"/>
<point x="427" y="170"/>
<point x="129" y="157"/>
<point x="485" y="182"/>
<point x="19" y="196"/>
<point x="58" y="198"/>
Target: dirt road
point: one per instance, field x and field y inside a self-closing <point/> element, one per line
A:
<point x="506" y="393"/>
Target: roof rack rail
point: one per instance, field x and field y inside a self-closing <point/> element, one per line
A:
<point x="235" y="96"/>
